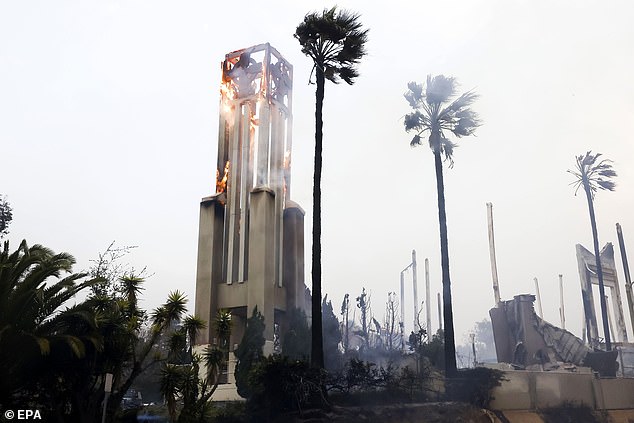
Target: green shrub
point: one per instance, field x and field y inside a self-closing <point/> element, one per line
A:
<point x="229" y="412"/>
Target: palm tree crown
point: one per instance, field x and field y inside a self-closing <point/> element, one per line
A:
<point x="435" y="112"/>
<point x="595" y="173"/>
<point x="335" y="41"/>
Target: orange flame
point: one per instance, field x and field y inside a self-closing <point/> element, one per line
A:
<point x="221" y="184"/>
<point x="287" y="159"/>
<point x="227" y="90"/>
<point x="227" y="94"/>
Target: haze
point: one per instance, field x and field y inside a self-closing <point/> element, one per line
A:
<point x="108" y="131"/>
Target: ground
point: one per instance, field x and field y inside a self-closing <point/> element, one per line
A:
<point x="400" y="413"/>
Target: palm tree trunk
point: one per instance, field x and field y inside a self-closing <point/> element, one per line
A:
<point x="450" y="346"/>
<point x="317" y="345"/>
<point x="595" y="240"/>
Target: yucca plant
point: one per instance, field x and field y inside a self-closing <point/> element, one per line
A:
<point x="594" y="174"/>
<point x="437" y="114"/>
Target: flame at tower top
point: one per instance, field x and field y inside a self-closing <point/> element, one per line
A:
<point x="254" y="146"/>
<point x="255" y="119"/>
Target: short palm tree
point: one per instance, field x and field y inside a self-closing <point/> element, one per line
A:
<point x="437" y="113"/>
<point x="132" y="287"/>
<point x="215" y="358"/>
<point x="335" y="41"/>
<point x="192" y="325"/>
<point x="33" y="325"/>
<point x="171" y="380"/>
<point x="593" y="174"/>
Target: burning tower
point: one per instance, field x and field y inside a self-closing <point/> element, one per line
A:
<point x="251" y="235"/>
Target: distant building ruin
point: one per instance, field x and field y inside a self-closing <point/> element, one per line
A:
<point x="526" y="341"/>
<point x="588" y="277"/>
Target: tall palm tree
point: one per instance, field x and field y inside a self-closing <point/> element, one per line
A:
<point x="438" y="112"/>
<point x="592" y="175"/>
<point x="335" y="42"/>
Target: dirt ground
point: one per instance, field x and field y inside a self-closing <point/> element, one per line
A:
<point x="402" y="413"/>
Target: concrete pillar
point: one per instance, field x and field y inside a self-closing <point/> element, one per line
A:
<point x="293" y="245"/>
<point x="209" y="267"/>
<point x="261" y="284"/>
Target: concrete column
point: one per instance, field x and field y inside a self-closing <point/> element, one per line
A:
<point x="261" y="284"/>
<point x="293" y="253"/>
<point x="209" y="264"/>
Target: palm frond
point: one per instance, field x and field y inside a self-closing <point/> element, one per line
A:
<point x="223" y="323"/>
<point x="440" y="89"/>
<point x="415" y="121"/>
<point x="447" y="147"/>
<point x="414" y="94"/>
<point x="335" y="41"/>
<point x="435" y="112"/>
<point x="191" y="325"/>
<point x="464" y="101"/>
<point x="42" y="343"/>
<point x="593" y="174"/>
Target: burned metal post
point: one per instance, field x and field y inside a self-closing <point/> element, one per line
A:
<point x="415" y="288"/>
<point x="472" y="338"/>
<point x="626" y="271"/>
<point x="539" y="299"/>
<point x="439" y="312"/>
<point x="415" y="292"/>
<point x="494" y="267"/>
<point x="562" y="314"/>
<point x="427" y="298"/>
<point x="610" y="323"/>
<point x="402" y="323"/>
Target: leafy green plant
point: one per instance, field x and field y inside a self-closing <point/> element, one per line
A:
<point x="249" y="352"/>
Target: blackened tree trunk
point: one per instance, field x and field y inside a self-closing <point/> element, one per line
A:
<point x="317" y="345"/>
<point x="450" y="346"/>
<point x="597" y="256"/>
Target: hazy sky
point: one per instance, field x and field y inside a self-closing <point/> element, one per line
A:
<point x="108" y="131"/>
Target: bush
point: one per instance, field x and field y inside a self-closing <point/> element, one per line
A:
<point x="229" y="412"/>
<point x="362" y="382"/>
<point x="474" y="385"/>
<point x="571" y="412"/>
<point x="280" y="384"/>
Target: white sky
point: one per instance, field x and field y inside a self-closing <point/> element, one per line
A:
<point x="108" y="126"/>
